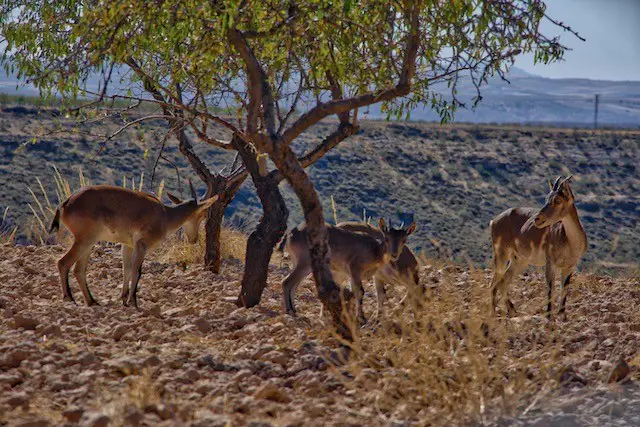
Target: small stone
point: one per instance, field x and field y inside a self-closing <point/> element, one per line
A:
<point x="154" y="310"/>
<point x="276" y="357"/>
<point x="271" y="391"/>
<point x="7" y="313"/>
<point x="73" y="414"/>
<point x="192" y="374"/>
<point x="609" y="342"/>
<point x="133" y="417"/>
<point x="119" y="331"/>
<point x="18" y="399"/>
<point x="202" y="325"/>
<point x="25" y="321"/>
<point x="49" y="330"/>
<point x="593" y="344"/>
<point x="619" y="372"/>
<point x="163" y="411"/>
<point x="241" y="375"/>
<point x="12" y="379"/>
<point x="87" y="359"/>
<point x="152" y="360"/>
<point x="97" y="420"/>
<point x="13" y="358"/>
<point x="33" y="423"/>
<point x="569" y="376"/>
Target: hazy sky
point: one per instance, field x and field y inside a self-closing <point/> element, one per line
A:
<point x="612" y="49"/>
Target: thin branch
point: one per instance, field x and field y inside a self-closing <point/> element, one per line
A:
<point x="344" y="131"/>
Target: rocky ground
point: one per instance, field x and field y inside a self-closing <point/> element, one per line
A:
<point x="190" y="357"/>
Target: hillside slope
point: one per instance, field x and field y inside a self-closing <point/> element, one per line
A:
<point x="451" y="179"/>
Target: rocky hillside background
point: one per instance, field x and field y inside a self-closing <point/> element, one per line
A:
<point x="452" y="179"/>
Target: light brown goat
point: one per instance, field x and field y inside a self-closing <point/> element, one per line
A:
<point x="357" y="256"/>
<point x="114" y="214"/>
<point x="405" y="269"/>
<point x="551" y="236"/>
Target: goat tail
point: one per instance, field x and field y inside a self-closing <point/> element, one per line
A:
<point x="55" y="224"/>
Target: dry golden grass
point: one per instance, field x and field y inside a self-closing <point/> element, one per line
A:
<point x="175" y="249"/>
<point x="455" y="363"/>
<point x="7" y="233"/>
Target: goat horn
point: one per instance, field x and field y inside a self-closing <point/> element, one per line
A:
<point x="555" y="184"/>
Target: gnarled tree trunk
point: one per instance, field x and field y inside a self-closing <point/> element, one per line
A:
<point x="331" y="295"/>
<point x="269" y="231"/>
<point x="213" y="225"/>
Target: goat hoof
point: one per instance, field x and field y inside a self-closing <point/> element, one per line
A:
<point x="68" y="298"/>
<point x="93" y="303"/>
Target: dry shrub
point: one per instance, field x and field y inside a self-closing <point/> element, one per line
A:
<point x="175" y="249"/>
<point x="140" y="392"/>
<point x="7" y="231"/>
<point x="42" y="208"/>
<point x="452" y="362"/>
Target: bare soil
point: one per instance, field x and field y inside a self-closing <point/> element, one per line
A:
<point x="190" y="357"/>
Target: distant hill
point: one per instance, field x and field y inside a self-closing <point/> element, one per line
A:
<point x="527" y="99"/>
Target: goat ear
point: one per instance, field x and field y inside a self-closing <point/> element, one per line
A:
<point x="564" y="187"/>
<point x="382" y="226"/>
<point x="412" y="228"/>
<point x="173" y="198"/>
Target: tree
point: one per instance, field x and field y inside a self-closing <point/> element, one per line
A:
<point x="270" y="59"/>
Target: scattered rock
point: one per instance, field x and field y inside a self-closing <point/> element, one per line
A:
<point x="96" y="419"/>
<point x="73" y="414"/>
<point x="12" y="379"/>
<point x="202" y="325"/>
<point x="162" y="410"/>
<point x="25" y="321"/>
<point x="7" y="313"/>
<point x="276" y="357"/>
<point x="18" y="399"/>
<point x="133" y="417"/>
<point x="152" y="360"/>
<point x="619" y="372"/>
<point x="119" y="331"/>
<point x="568" y="376"/>
<point x="50" y="330"/>
<point x="33" y="423"/>
<point x="13" y="358"/>
<point x="609" y="342"/>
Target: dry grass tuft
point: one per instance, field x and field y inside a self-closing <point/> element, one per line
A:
<point x="453" y="363"/>
<point x="233" y="244"/>
<point x="7" y="232"/>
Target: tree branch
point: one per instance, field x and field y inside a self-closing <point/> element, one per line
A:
<point x="344" y="131"/>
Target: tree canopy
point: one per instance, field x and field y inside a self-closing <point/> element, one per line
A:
<point x="306" y="48"/>
<point x="280" y="66"/>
